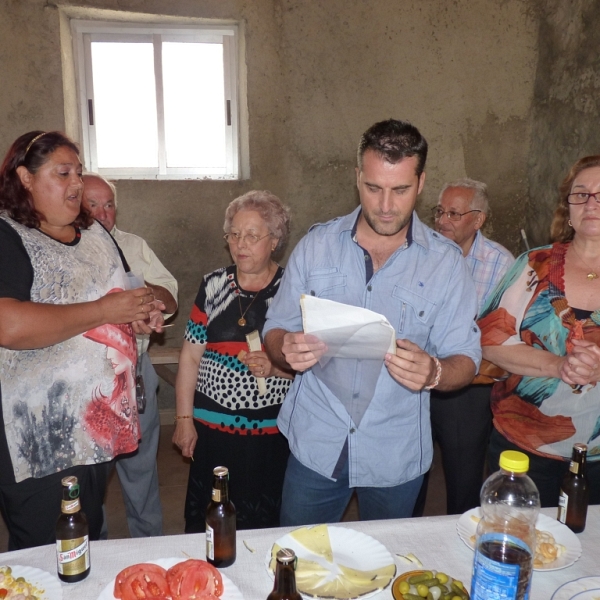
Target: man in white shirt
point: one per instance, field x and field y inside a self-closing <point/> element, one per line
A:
<point x="138" y="473"/>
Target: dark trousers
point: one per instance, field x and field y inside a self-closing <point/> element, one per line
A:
<point x="461" y="422"/>
<point x="547" y="473"/>
<point x="32" y="507"/>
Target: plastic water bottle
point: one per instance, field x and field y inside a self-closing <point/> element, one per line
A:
<point x="505" y="544"/>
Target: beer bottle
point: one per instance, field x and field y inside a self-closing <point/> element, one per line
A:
<point x="72" y="535"/>
<point x="285" y="578"/>
<point x="575" y="492"/>
<point x="220" y="522"/>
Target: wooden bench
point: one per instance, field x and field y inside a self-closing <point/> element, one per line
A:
<point x="160" y="357"/>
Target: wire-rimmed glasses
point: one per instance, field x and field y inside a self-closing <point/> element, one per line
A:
<point x="250" y="238"/>
<point x="438" y="213"/>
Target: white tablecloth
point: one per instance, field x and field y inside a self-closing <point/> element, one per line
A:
<point x="433" y="539"/>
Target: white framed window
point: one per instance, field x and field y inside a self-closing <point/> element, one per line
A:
<point x="158" y="101"/>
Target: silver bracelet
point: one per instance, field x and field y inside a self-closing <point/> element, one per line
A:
<point x="438" y="374"/>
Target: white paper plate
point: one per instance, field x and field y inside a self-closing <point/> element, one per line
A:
<point x="466" y="528"/>
<point x="584" y="588"/>
<point x="351" y="548"/>
<point x="42" y="580"/>
<point x="230" y="591"/>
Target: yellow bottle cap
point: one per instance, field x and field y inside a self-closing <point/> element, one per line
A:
<point x="514" y="461"/>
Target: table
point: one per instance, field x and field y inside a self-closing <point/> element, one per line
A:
<point x="433" y="539"/>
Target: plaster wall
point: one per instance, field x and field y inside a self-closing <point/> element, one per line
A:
<point x="566" y="104"/>
<point x="318" y="74"/>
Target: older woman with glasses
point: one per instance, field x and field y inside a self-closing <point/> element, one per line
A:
<point x="542" y="326"/>
<point x="223" y="415"/>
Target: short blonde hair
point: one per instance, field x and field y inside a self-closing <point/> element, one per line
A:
<point x="271" y="209"/>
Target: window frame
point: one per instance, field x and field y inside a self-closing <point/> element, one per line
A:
<point x="84" y="32"/>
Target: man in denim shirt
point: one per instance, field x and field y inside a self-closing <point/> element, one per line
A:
<point x="379" y="257"/>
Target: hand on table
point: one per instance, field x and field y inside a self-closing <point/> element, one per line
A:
<point x="411" y="366"/>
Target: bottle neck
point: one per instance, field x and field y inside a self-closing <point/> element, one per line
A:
<point x="285" y="578"/>
<point x="220" y="490"/>
<point x="70" y="506"/>
<point x="578" y="462"/>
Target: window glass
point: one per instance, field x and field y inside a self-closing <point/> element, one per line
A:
<point x="125" y="105"/>
<point x="194" y="105"/>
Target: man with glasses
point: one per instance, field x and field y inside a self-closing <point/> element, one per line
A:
<point x="461" y="421"/>
<point x="379" y="257"/>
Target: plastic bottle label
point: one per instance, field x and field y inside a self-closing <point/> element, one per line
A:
<point x="563" y="503"/>
<point x="73" y="556"/>
<point x="495" y="580"/>
<point x="210" y="542"/>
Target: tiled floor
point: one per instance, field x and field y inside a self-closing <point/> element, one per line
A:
<point x="172" y="473"/>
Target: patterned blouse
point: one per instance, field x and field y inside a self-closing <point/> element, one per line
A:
<point x="226" y="392"/>
<point x="542" y="415"/>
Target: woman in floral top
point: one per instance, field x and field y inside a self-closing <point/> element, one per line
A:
<point x="542" y="326"/>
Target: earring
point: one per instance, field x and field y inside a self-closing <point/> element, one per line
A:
<point x="569" y="223"/>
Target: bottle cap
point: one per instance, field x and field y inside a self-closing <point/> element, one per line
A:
<point x="221" y="471"/>
<point x="514" y="461"/>
<point x="286" y="556"/>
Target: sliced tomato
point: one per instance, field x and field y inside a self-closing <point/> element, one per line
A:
<point x="143" y="581"/>
<point x="194" y="578"/>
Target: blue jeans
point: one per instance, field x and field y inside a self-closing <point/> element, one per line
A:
<point x="311" y="498"/>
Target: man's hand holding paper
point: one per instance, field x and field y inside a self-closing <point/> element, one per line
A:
<point x="410" y="366"/>
<point x="301" y="350"/>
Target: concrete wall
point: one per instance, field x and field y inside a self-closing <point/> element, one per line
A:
<point x="566" y="107"/>
<point x="318" y="74"/>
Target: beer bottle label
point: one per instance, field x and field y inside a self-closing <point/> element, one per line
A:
<point x="73" y="555"/>
<point x="563" y="503"/>
<point x="210" y="542"/>
<point x="216" y="495"/>
<point x="574" y="468"/>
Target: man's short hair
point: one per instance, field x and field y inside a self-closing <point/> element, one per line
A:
<point x="394" y="140"/>
<point x="480" y="200"/>
<point x="110" y="184"/>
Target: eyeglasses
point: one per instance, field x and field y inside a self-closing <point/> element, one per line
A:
<point x="250" y="238"/>
<point x="582" y="197"/>
<point x="437" y="213"/>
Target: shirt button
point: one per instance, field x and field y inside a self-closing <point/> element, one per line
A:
<point x="370" y="288"/>
<point x="352" y="430"/>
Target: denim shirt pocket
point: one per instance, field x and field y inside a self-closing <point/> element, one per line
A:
<point x="416" y="315"/>
<point x="326" y="282"/>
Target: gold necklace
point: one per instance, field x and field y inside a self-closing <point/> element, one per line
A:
<point x="241" y="321"/>
<point x="592" y="274"/>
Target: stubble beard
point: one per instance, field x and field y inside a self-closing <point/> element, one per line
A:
<point x="387" y="230"/>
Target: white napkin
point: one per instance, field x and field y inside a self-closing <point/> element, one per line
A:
<point x="348" y="331"/>
<point x="357" y="341"/>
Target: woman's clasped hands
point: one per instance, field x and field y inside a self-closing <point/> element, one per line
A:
<point x="581" y="366"/>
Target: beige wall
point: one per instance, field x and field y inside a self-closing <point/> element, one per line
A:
<point x="319" y="73"/>
<point x="566" y="105"/>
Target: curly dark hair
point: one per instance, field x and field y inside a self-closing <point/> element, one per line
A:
<point x="394" y="140"/>
<point x="560" y="230"/>
<point x="31" y="151"/>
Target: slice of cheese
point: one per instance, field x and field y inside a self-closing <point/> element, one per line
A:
<point x="374" y="579"/>
<point x="315" y="539"/>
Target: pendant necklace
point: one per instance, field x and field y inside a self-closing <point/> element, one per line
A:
<point x="241" y="321"/>
<point x="592" y="274"/>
